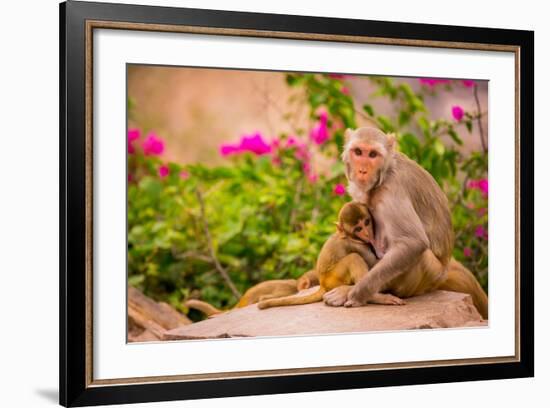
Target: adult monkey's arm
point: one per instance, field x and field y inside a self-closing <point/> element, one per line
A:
<point x="407" y="241"/>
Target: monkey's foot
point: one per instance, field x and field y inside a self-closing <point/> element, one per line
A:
<point x="337" y="296"/>
<point x="386" y="299"/>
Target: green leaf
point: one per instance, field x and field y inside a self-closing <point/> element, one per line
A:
<point x="385" y="123"/>
<point x="135" y="280"/>
<point x="455" y="136"/>
<point x="368" y="108"/>
<point x="439" y="147"/>
<point x="404" y="118"/>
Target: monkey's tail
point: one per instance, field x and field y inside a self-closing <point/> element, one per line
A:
<point x="204" y="307"/>
<point x="460" y="279"/>
<point x="293" y="300"/>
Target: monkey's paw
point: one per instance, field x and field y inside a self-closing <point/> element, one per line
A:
<point x="355" y="299"/>
<point x="386" y="299"/>
<point x="354" y="303"/>
<point x="337" y="296"/>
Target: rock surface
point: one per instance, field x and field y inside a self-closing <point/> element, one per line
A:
<point x="438" y="309"/>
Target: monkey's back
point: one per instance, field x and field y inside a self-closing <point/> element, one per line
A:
<point x="429" y="202"/>
<point x="333" y="250"/>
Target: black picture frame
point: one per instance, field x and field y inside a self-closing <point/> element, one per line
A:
<point x="76" y="386"/>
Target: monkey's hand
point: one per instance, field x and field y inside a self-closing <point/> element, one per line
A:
<point x="337" y="296"/>
<point x="355" y="298"/>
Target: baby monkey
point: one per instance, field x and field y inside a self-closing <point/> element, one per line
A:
<point x="344" y="259"/>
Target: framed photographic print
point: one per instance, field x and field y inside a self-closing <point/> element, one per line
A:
<point x="256" y="203"/>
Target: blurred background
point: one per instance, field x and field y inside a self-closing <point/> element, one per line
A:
<point x="211" y="106"/>
<point x="234" y="177"/>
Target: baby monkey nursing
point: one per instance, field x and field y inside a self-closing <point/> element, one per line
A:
<point x="344" y="259"/>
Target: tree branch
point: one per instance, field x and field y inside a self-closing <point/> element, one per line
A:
<point x="479" y="124"/>
<point x="217" y="264"/>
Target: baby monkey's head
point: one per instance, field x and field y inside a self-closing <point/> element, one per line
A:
<point x="354" y="221"/>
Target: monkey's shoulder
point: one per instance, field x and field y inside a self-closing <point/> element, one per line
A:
<point x="335" y="248"/>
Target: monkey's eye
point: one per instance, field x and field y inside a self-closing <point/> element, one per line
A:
<point x="373" y="154"/>
<point x="367" y="222"/>
<point x="357" y="229"/>
<point x="357" y="151"/>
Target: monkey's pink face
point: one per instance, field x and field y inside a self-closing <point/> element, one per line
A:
<point x="366" y="160"/>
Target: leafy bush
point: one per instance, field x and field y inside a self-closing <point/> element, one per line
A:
<point x="212" y="232"/>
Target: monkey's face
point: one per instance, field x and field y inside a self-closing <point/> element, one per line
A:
<point x="366" y="160"/>
<point x="355" y="222"/>
<point x="362" y="230"/>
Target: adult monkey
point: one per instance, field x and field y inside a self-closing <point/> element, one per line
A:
<point x="413" y="234"/>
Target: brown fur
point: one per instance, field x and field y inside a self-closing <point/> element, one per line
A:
<point x="460" y="279"/>
<point x="343" y="259"/>
<point x="262" y="291"/>
<point x="412" y="221"/>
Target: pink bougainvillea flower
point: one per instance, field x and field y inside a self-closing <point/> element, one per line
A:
<point x="481" y="232"/>
<point x="276" y="161"/>
<point x="344" y="90"/>
<point x="458" y="113"/>
<point x="467" y="252"/>
<point x="472" y="184"/>
<point x="153" y="145"/>
<point x="339" y="189"/>
<point x="483" y="185"/>
<point x="228" y="149"/>
<point x="130" y="178"/>
<point x="254" y="143"/>
<point x="133" y="135"/>
<point x="163" y="171"/>
<point x="184" y="175"/>
<point x="468" y="83"/>
<point x="431" y="82"/>
<point x="319" y="134"/>
<point x="337" y="76"/>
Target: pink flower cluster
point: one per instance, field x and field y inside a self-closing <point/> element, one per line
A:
<point x="133" y="135"/>
<point x="301" y="152"/>
<point x="457" y="112"/>
<point x="152" y="145"/>
<point x="319" y="133"/>
<point x="339" y="189"/>
<point x="431" y="82"/>
<point x="164" y="171"/>
<point x="481" y="232"/>
<point x="337" y="76"/>
<point x="254" y="143"/>
<point x="481" y="185"/>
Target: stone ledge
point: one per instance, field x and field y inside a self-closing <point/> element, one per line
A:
<point x="439" y="309"/>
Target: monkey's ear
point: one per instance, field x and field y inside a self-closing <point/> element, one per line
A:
<point x="339" y="227"/>
<point x="348" y="134"/>
<point x="391" y="141"/>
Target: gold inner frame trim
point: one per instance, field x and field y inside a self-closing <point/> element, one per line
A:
<point x="99" y="24"/>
